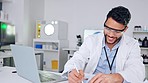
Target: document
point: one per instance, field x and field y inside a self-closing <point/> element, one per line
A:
<point x="88" y="77"/>
<point x="46" y="76"/>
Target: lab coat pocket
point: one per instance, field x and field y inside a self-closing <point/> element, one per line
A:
<point x="120" y="64"/>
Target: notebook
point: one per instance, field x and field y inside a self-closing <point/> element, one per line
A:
<point x="26" y="66"/>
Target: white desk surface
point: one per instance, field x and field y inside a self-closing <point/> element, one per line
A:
<point x="6" y="76"/>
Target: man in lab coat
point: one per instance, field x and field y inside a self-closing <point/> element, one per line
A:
<point x="111" y="56"/>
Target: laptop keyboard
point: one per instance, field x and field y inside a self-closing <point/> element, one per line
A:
<point x="46" y="76"/>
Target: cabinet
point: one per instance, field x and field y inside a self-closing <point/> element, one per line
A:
<point x="6" y="58"/>
<point x="54" y="57"/>
<point x="1" y="62"/>
<point x="4" y="17"/>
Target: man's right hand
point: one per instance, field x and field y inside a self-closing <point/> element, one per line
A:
<point x="75" y="77"/>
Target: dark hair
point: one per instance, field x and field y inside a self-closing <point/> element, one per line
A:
<point x="120" y="14"/>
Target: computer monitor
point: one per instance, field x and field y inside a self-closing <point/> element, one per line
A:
<point x="7" y="34"/>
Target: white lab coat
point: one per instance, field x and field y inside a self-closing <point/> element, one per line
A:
<point x="129" y="62"/>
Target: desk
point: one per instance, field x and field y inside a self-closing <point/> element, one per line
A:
<point x="5" y="54"/>
<point x="70" y="51"/>
<point x="6" y="76"/>
<point x="8" y="54"/>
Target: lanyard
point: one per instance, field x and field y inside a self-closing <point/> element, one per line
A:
<point x="110" y="65"/>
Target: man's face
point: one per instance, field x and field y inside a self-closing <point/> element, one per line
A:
<point x="113" y="31"/>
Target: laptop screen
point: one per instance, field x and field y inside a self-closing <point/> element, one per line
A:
<point x="25" y="62"/>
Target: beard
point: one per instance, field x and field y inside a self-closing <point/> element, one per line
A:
<point x="116" y="40"/>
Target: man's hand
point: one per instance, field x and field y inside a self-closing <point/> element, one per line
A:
<point x="107" y="78"/>
<point x="75" y="77"/>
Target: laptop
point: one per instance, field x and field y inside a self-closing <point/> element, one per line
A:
<point x="26" y="66"/>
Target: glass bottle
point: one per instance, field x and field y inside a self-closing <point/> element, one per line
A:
<point x="145" y="42"/>
<point x="140" y="42"/>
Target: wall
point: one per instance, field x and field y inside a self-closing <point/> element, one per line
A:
<point x="15" y="11"/>
<point x="36" y="13"/>
<point x="23" y="14"/>
<point x="91" y="14"/>
<point x="80" y="15"/>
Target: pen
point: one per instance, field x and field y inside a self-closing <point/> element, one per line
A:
<point x="77" y="69"/>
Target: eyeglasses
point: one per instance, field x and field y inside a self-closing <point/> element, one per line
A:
<point x="115" y="31"/>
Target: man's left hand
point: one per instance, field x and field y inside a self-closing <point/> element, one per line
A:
<point x="107" y="78"/>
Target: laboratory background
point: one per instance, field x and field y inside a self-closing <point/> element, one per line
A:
<point x="58" y="28"/>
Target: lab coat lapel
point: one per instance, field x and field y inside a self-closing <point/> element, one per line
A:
<point x="92" y="64"/>
<point x="121" y="55"/>
<point x="96" y="56"/>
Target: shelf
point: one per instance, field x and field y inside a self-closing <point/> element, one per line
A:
<point x="47" y="50"/>
<point x="144" y="48"/>
<point x="140" y="31"/>
<point x="146" y="65"/>
<point x="6" y="1"/>
<point x="5" y="21"/>
<point x="5" y="55"/>
<point x="45" y="40"/>
<point x="69" y="49"/>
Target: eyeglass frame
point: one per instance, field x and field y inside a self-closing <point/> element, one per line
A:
<point x="114" y="30"/>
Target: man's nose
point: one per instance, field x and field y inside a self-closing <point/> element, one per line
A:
<point x="112" y="33"/>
